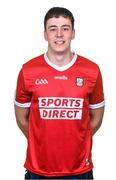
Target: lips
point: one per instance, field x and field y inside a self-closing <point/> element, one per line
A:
<point x="59" y="42"/>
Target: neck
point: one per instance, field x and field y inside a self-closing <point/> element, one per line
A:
<point x="60" y="59"/>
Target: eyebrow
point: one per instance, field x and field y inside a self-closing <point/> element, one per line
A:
<point x="51" y="26"/>
<point x="65" y="25"/>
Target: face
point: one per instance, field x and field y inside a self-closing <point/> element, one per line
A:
<point x="59" y="34"/>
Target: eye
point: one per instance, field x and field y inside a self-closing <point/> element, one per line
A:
<point x="65" y="28"/>
<point x="53" y="29"/>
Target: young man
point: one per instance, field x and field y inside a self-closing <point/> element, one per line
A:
<point x="59" y="105"/>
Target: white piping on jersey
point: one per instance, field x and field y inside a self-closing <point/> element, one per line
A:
<point x="96" y="106"/>
<point x="60" y="68"/>
<point x="24" y="105"/>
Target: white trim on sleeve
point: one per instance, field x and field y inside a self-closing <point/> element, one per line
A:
<point x="24" y="105"/>
<point x="96" y="106"/>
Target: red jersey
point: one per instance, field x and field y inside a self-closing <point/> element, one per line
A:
<point x="59" y="98"/>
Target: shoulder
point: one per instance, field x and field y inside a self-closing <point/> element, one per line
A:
<point x="33" y="66"/>
<point x="34" y="62"/>
<point x="87" y="62"/>
<point x="87" y="66"/>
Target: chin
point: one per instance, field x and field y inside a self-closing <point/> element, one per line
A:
<point x="60" y="50"/>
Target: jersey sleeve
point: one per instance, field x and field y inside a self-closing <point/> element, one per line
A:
<point x="22" y="96"/>
<point x="97" y="96"/>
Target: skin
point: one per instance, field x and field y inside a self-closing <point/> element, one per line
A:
<point x="58" y="34"/>
<point x="96" y="117"/>
<point x="22" y="118"/>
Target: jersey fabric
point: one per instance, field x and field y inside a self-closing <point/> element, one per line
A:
<point x="59" y="98"/>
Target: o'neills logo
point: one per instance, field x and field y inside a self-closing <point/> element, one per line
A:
<point x="60" y="108"/>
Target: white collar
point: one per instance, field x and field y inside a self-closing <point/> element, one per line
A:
<point x="60" y="68"/>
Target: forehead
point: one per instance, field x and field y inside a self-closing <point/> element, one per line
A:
<point x="60" y="21"/>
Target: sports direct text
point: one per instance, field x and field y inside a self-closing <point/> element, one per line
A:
<point x="60" y="108"/>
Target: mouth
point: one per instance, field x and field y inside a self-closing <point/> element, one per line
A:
<point x="59" y="42"/>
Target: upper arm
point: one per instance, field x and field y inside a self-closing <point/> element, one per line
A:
<point x="97" y="104"/>
<point x="22" y="96"/>
<point x="21" y="113"/>
<point x="96" y="117"/>
<point x="97" y="96"/>
<point x="22" y="118"/>
<point x="97" y="113"/>
<point x="22" y="103"/>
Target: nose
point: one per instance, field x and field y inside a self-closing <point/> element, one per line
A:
<point x="59" y="33"/>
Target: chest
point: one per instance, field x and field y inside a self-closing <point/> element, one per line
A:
<point x="71" y="83"/>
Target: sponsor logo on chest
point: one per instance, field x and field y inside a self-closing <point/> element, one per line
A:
<point x="60" y="108"/>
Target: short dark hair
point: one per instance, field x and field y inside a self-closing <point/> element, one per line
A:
<point x="57" y="12"/>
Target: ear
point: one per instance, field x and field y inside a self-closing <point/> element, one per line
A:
<point x="73" y="34"/>
<point x="45" y="36"/>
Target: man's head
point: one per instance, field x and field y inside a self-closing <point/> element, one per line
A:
<point x="57" y="12"/>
